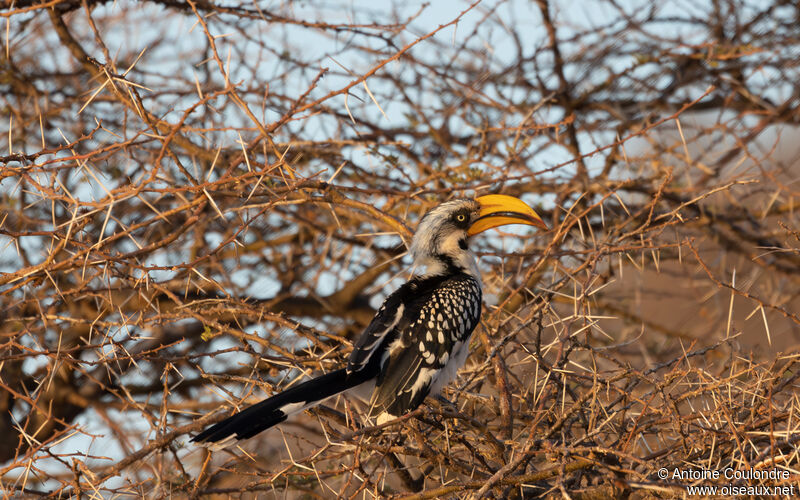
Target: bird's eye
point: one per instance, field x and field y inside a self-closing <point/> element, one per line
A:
<point x="461" y="217"/>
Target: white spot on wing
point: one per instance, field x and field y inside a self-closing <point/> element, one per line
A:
<point x="393" y="347"/>
<point x="292" y="408"/>
<point x="425" y="375"/>
<point x="398" y="315"/>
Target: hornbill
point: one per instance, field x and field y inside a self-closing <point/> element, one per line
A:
<point x="419" y="337"/>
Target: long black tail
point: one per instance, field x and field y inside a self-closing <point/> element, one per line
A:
<point x="261" y="416"/>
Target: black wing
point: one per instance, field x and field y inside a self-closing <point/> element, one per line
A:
<point x="388" y="317"/>
<point x="397" y="312"/>
<point x="430" y="347"/>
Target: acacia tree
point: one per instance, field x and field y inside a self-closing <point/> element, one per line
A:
<point x="204" y="202"/>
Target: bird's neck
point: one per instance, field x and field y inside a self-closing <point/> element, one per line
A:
<point x="447" y="264"/>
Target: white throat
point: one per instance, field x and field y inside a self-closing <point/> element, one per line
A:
<point x="430" y="266"/>
<point x="429" y="263"/>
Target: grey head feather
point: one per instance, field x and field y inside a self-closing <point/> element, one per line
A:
<point x="438" y="233"/>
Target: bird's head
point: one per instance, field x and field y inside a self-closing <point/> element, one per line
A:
<point x="440" y="243"/>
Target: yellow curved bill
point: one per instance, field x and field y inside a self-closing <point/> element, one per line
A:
<point x="500" y="210"/>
